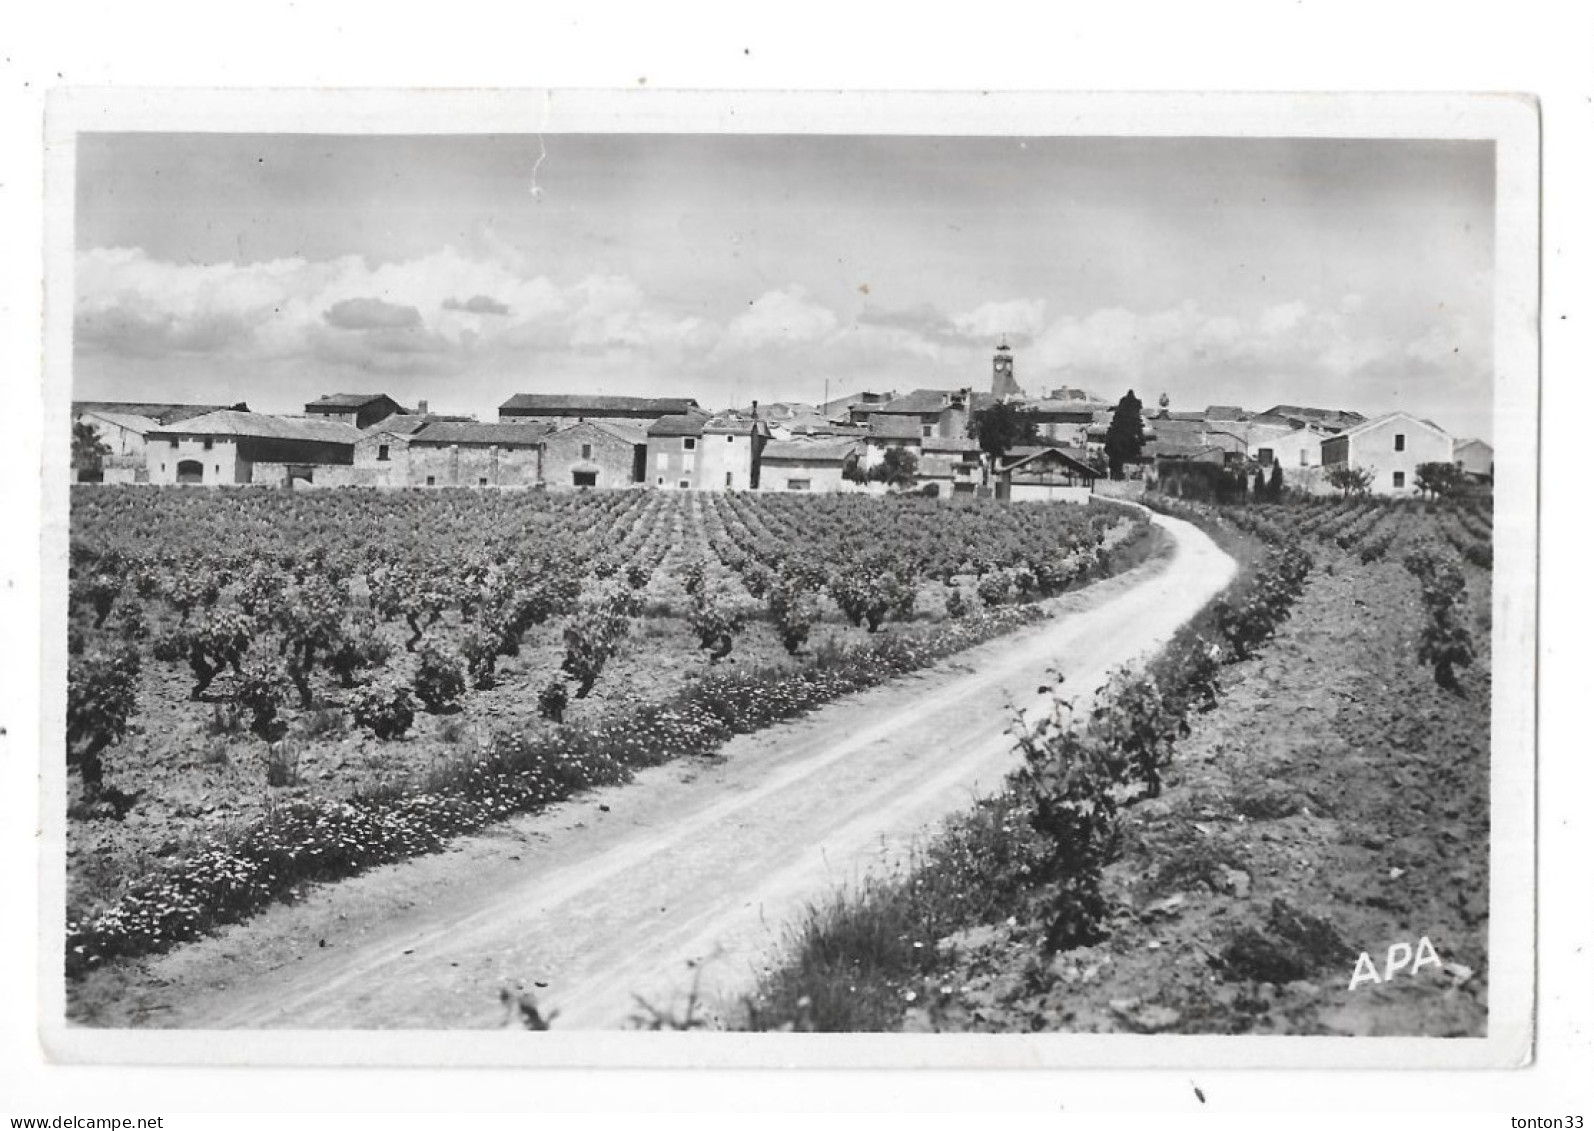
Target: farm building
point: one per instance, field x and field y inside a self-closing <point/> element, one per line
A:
<point x="593" y="453"/>
<point x="732" y="447"/>
<point x="931" y="412"/>
<point x="1476" y="458"/>
<point x="1066" y="421"/>
<point x="359" y="409"/>
<point x="472" y="454"/>
<point x="956" y="466"/>
<point x="1391" y="448"/>
<point x="1299" y="416"/>
<point x="1049" y="475"/>
<point x="1299" y="453"/>
<point x="815" y="465"/>
<point x="123" y="428"/>
<point x="558" y="408"/>
<point x="888" y="432"/>
<point x="230" y="447"/>
<point x="674" y="449"/>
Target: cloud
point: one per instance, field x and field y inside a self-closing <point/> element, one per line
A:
<point x="785" y="317"/>
<point x="476" y="304"/>
<point x="1019" y="320"/>
<point x="371" y="314"/>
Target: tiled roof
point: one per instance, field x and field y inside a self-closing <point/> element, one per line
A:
<point x="621" y="430"/>
<point x="685" y="424"/>
<point x="159" y="412"/>
<point x="259" y="425"/>
<point x="569" y="404"/>
<point x="944" y="444"/>
<point x="809" y="451"/>
<point x="894" y="428"/>
<point x="404" y="423"/>
<point x="1377" y="420"/>
<point x="475" y="432"/>
<point x="1054" y="456"/>
<point x="349" y="400"/>
<point x="127" y="421"/>
<point x="921" y="402"/>
<point x="1226" y="412"/>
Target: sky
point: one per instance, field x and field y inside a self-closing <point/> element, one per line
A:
<point x="462" y="269"/>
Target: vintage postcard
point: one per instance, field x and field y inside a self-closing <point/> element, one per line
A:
<point x="632" y="578"/>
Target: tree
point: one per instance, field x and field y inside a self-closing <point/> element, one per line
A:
<point x="897" y="468"/>
<point x="1259" y="487"/>
<point x="1349" y="480"/>
<point x="88" y="450"/>
<point x="1275" y="483"/>
<point x="1439" y="479"/>
<point x="1003" y="426"/>
<point x="1124" y="435"/>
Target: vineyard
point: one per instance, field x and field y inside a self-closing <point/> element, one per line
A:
<point x="270" y="688"/>
<point x="1207" y="847"/>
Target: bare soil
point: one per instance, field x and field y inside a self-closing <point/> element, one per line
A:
<point x="1335" y="802"/>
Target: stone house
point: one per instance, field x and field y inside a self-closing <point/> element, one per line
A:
<point x="730" y="453"/>
<point x="1475" y="458"/>
<point x="359" y="409"/>
<point x="593" y="453"/>
<point x="229" y="447"/>
<point x="472" y="454"/>
<point x="811" y="465"/>
<point x="891" y="431"/>
<point x="123" y="428"/>
<point x="1391" y="448"/>
<point x="674" y="451"/>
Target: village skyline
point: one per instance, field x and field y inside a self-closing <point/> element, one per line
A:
<point x="465" y="269"/>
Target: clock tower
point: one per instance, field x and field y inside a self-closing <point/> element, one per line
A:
<point x="1003" y="384"/>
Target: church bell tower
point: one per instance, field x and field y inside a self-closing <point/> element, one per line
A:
<point x="1002" y="383"/>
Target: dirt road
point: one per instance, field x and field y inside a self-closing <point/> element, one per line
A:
<point x="692" y="871"/>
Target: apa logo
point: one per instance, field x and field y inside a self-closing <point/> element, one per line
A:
<point x="1400" y="956"/>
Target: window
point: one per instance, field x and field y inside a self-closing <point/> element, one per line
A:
<point x="584" y="478"/>
<point x="684" y="484"/>
<point x="661" y="479"/>
<point x="688" y="444"/>
<point x="1400" y="441"/>
<point x="1264" y="455"/>
<point x="1303" y="457"/>
<point x="174" y="441"/>
<point x="798" y="484"/>
<point x="381" y="452"/>
<point x="730" y="439"/>
<point x="431" y="481"/>
<point x="1400" y="479"/>
<point x="586" y="451"/>
<point x="210" y="443"/>
<point x="928" y="430"/>
<point x="728" y="480"/>
<point x="482" y="482"/>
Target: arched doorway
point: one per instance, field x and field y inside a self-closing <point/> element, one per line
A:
<point x="190" y="471"/>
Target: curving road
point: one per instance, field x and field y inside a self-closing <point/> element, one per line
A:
<point x="691" y="872"/>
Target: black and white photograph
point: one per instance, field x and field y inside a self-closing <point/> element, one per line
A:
<point x="709" y="578"/>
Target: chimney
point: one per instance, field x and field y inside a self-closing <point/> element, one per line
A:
<point x="755" y="410"/>
<point x="420" y="407"/>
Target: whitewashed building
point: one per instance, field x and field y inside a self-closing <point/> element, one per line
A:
<point x="1390" y="448"/>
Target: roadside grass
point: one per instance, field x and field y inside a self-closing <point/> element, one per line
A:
<point x="855" y="955"/>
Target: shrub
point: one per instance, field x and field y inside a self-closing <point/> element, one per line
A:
<point x="263" y="690"/>
<point x="552" y="701"/>
<point x="386" y="709"/>
<point x="1446" y="641"/>
<point x="795" y="611"/>
<point x="716" y="628"/>
<point x="439" y="678"/>
<point x="100" y="698"/>
<point x="591" y="640"/>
